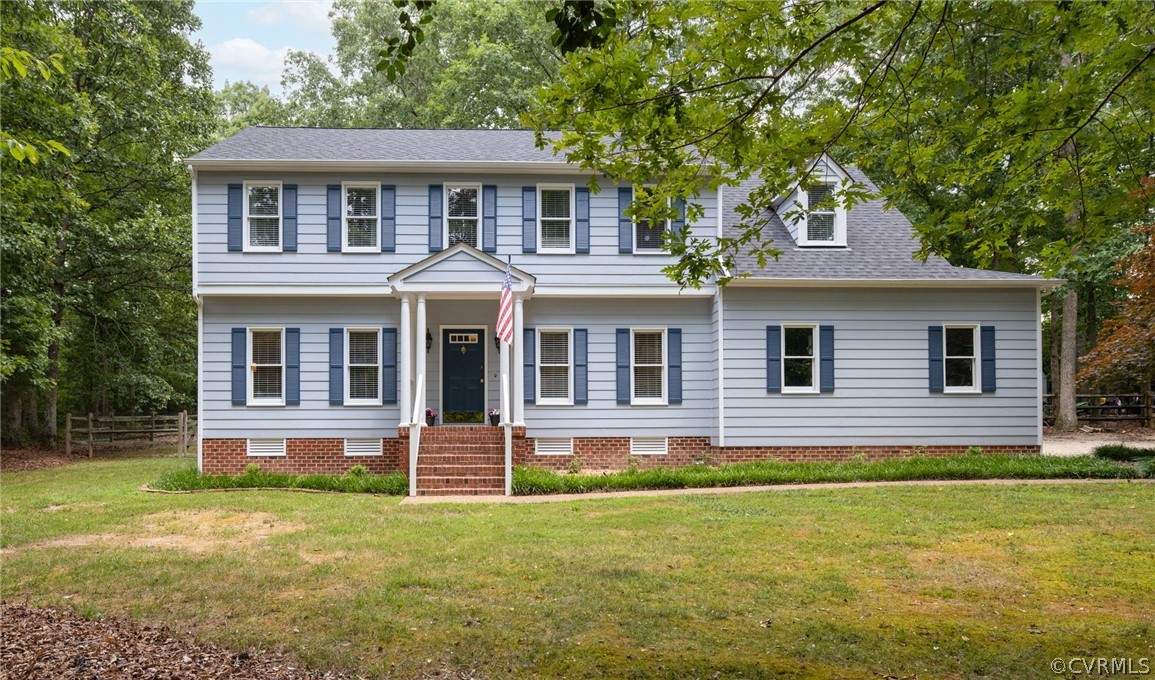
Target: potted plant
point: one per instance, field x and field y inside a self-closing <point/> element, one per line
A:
<point x="430" y="417"/>
<point x="494" y="416"/>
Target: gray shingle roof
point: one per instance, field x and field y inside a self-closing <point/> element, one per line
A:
<point x="880" y="245"/>
<point x="378" y="144"/>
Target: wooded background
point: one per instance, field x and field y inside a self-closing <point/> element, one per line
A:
<point x="1014" y="136"/>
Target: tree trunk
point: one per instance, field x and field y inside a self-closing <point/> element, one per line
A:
<point x="1056" y="331"/>
<point x="53" y="372"/>
<point x="1065" y="417"/>
<point x="1090" y="320"/>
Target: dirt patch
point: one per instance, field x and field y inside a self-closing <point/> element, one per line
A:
<point x="18" y="460"/>
<point x="1080" y="443"/>
<point x="194" y="531"/>
<point x="49" y="643"/>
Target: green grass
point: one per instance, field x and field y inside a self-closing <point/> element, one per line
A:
<point x="930" y="581"/>
<point x="188" y="479"/>
<point x="529" y="481"/>
<point x="1121" y="452"/>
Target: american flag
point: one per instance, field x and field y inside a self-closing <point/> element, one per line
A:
<point x="505" y="310"/>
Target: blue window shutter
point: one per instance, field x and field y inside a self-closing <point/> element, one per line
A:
<point x="236" y="218"/>
<point x="625" y="224"/>
<point x="388" y="218"/>
<point x="934" y="347"/>
<point x="389" y="365"/>
<point x="679" y="223"/>
<point x="826" y="358"/>
<point x="674" y="358"/>
<point x="529" y="361"/>
<point x="240" y="365"/>
<point x="987" y="347"/>
<point x="289" y="218"/>
<point x="582" y="209"/>
<point x="773" y="358"/>
<point x="292" y="366"/>
<point x="333" y="218"/>
<point x="489" y="218"/>
<point x="529" y="219"/>
<point x="623" y="364"/>
<point x="336" y="366"/>
<point x="581" y="371"/>
<point x="435" y="227"/>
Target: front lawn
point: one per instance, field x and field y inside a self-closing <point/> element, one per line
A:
<point x="991" y="581"/>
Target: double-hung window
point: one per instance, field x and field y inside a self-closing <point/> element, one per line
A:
<point x="960" y="358"/>
<point x="267" y="366"/>
<point x="462" y="210"/>
<point x="648" y="233"/>
<point x="648" y="369"/>
<point x="820" y="220"/>
<point x="361" y="222"/>
<point x="363" y="366"/>
<point x="555" y="222"/>
<point x="263" y="216"/>
<point x="555" y="366"/>
<point x="799" y="345"/>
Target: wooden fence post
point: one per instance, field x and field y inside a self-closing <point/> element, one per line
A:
<point x="90" y="435"/>
<point x="111" y="428"/>
<point x="68" y="434"/>
<point x="182" y="425"/>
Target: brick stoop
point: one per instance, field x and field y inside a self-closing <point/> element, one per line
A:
<point x="461" y="460"/>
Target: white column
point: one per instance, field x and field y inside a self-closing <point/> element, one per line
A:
<point x="420" y="337"/>
<point x="405" y="357"/>
<point x="518" y="362"/>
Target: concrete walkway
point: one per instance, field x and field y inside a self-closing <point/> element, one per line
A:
<point x="721" y="490"/>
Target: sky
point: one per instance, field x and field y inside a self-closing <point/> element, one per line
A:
<point x="248" y="40"/>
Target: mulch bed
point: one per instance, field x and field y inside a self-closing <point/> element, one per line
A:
<point x="14" y="460"/>
<point x="51" y="643"/>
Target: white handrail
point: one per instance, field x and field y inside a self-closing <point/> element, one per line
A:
<point x="415" y="434"/>
<point x="508" y="434"/>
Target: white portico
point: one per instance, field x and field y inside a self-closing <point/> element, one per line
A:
<point x="435" y="296"/>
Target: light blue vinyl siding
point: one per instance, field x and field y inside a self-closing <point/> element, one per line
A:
<point x="314" y="417"/>
<point x="311" y="264"/>
<point x="603" y="416"/>
<point x="881" y="395"/>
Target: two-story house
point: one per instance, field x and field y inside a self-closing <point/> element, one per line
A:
<point x="348" y="280"/>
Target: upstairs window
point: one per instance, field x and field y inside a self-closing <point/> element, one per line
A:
<point x="266" y="361"/>
<point x="649" y="367"/>
<point x="960" y="358"/>
<point x="648" y="234"/>
<point x="361" y="223"/>
<point x="556" y="223"/>
<point x="363" y="366"/>
<point x="798" y="358"/>
<point x="462" y="210"/>
<point x="820" y="220"/>
<point x="555" y="366"/>
<point x="263" y="216"/>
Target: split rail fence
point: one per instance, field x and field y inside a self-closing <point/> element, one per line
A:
<point x="92" y="431"/>
<point x="1138" y="408"/>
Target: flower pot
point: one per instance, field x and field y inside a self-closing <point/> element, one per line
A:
<point x="494" y="420"/>
<point x="430" y="420"/>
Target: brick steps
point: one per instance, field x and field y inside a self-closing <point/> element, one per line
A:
<point x="461" y="460"/>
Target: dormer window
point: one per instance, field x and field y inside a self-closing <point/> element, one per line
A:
<point x="820" y="221"/>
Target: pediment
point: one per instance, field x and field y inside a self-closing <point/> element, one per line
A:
<point x="460" y="265"/>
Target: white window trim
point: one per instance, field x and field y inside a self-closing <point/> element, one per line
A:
<point x="253" y="401"/>
<point x="976" y="360"/>
<point x="813" y="389"/>
<point x="542" y="401"/>
<point x="572" y="221"/>
<point x="804" y="221"/>
<point x="634" y="228"/>
<point x="445" y="211"/>
<point x="650" y="401"/>
<point x="345" y="247"/>
<point x="350" y="401"/>
<point x="248" y="247"/>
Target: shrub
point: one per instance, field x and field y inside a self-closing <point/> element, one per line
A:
<point x="974" y="450"/>
<point x="575" y="465"/>
<point x="1121" y="452"/>
<point x="392" y="484"/>
<point x="358" y="471"/>
<point x="252" y="469"/>
<point x="1146" y="467"/>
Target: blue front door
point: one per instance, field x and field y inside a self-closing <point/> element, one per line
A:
<point x="463" y="375"/>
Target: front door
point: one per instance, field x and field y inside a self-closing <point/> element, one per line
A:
<point x="463" y="375"/>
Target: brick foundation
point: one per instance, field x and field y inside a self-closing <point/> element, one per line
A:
<point x="327" y="456"/>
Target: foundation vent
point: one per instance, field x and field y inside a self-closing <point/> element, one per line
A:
<point x="553" y="447"/>
<point x="648" y="446"/>
<point x="266" y="447"/>
<point x="362" y="447"/>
